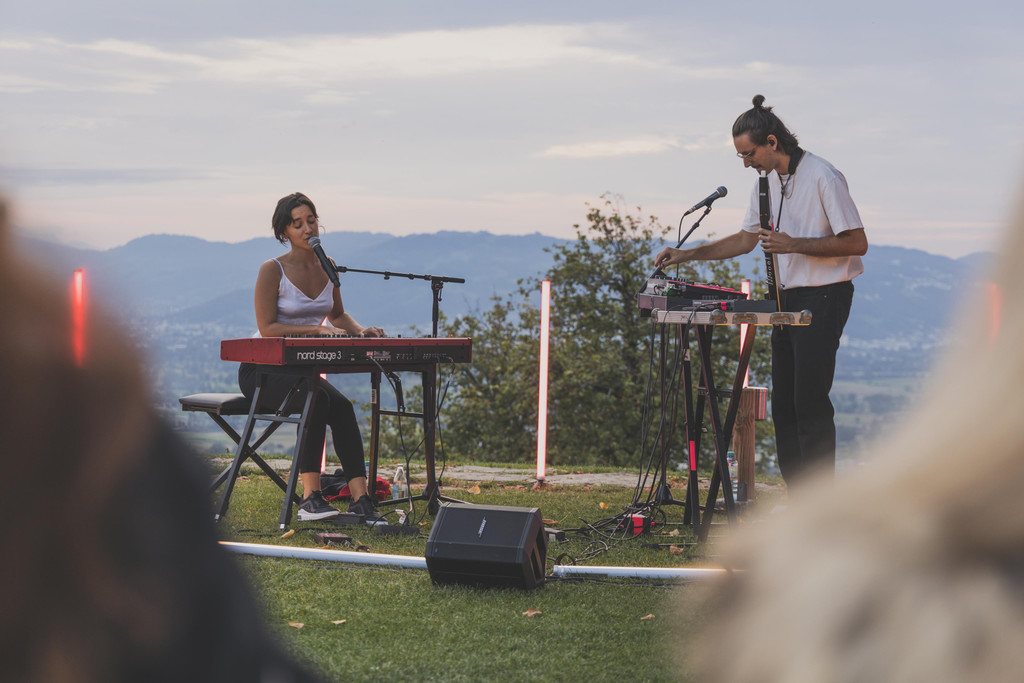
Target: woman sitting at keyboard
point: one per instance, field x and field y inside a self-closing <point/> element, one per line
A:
<point x="293" y="298"/>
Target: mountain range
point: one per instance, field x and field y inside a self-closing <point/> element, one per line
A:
<point x="902" y="305"/>
<point x="187" y="280"/>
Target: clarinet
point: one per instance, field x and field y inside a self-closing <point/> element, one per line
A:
<point x="766" y="224"/>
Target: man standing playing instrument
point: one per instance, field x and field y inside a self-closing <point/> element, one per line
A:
<point x="817" y="242"/>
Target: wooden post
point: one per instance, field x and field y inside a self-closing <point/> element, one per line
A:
<point x="753" y="407"/>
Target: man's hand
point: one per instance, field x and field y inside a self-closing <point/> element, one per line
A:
<point x="669" y="256"/>
<point x="775" y="242"/>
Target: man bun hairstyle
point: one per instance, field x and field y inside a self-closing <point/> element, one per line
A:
<point x="283" y="213"/>
<point x="760" y="122"/>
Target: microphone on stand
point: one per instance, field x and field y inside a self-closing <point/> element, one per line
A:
<point x="717" y="194"/>
<point x="325" y="262"/>
<point x="707" y="201"/>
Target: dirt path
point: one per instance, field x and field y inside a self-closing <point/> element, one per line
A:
<point x="479" y="474"/>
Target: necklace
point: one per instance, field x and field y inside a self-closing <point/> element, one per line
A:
<point x="794" y="162"/>
<point x="786" y="191"/>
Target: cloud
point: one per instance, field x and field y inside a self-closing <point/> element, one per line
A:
<point x="423" y="54"/>
<point x="140" y="51"/>
<point x="611" y="148"/>
<point x="318" y="61"/>
<point x="51" y="65"/>
<point x="413" y="114"/>
<point x="26" y="176"/>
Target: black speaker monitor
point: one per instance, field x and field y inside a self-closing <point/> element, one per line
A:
<point x="487" y="545"/>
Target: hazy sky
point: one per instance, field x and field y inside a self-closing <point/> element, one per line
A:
<point x="121" y="118"/>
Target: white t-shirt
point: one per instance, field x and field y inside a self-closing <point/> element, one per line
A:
<point x="817" y="204"/>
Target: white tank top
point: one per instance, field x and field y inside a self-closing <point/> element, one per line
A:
<point x="295" y="308"/>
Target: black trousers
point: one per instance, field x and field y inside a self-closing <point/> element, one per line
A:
<point x="803" y="365"/>
<point x="331" y="408"/>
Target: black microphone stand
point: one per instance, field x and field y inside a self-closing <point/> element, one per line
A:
<point x="707" y="210"/>
<point x="658" y="272"/>
<point x="660" y="488"/>
<point x="432" y="496"/>
<point x="436" y="283"/>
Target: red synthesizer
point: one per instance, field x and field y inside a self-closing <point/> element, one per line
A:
<point x="347" y="350"/>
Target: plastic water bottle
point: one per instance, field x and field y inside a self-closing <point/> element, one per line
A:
<point x="398" y="487"/>
<point x="739" y="489"/>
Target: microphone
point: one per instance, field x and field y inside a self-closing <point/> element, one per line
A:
<point x="720" y="192"/>
<point x="326" y="264"/>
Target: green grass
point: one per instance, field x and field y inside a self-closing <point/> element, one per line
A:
<point x="399" y="626"/>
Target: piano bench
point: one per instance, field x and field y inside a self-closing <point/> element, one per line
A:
<point x="216" y="404"/>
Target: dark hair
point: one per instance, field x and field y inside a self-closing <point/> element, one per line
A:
<point x="124" y="597"/>
<point x="758" y="123"/>
<point x="283" y="213"/>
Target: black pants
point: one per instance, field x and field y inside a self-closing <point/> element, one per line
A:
<point x="331" y="408"/>
<point x="803" y="364"/>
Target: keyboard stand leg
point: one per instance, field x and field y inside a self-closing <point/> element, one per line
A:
<point x="241" y="453"/>
<point x="432" y="493"/>
<point x="371" y="476"/>
<point x="310" y="383"/>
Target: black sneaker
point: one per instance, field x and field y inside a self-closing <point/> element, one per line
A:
<point x="315" y="507"/>
<point x="365" y="508"/>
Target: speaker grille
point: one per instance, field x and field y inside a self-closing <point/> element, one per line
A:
<point x="487" y="545"/>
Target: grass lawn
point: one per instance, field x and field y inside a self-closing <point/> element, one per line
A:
<point x="399" y="626"/>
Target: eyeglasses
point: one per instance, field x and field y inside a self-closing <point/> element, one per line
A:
<point x="746" y="155"/>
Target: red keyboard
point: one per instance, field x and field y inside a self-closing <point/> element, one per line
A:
<point x="347" y="350"/>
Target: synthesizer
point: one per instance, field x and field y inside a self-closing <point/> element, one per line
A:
<point x="662" y="294"/>
<point x="325" y="351"/>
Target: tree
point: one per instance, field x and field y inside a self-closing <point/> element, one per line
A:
<point x="600" y="352"/>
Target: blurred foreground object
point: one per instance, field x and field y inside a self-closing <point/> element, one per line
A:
<point x="911" y="568"/>
<point x="111" y="569"/>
